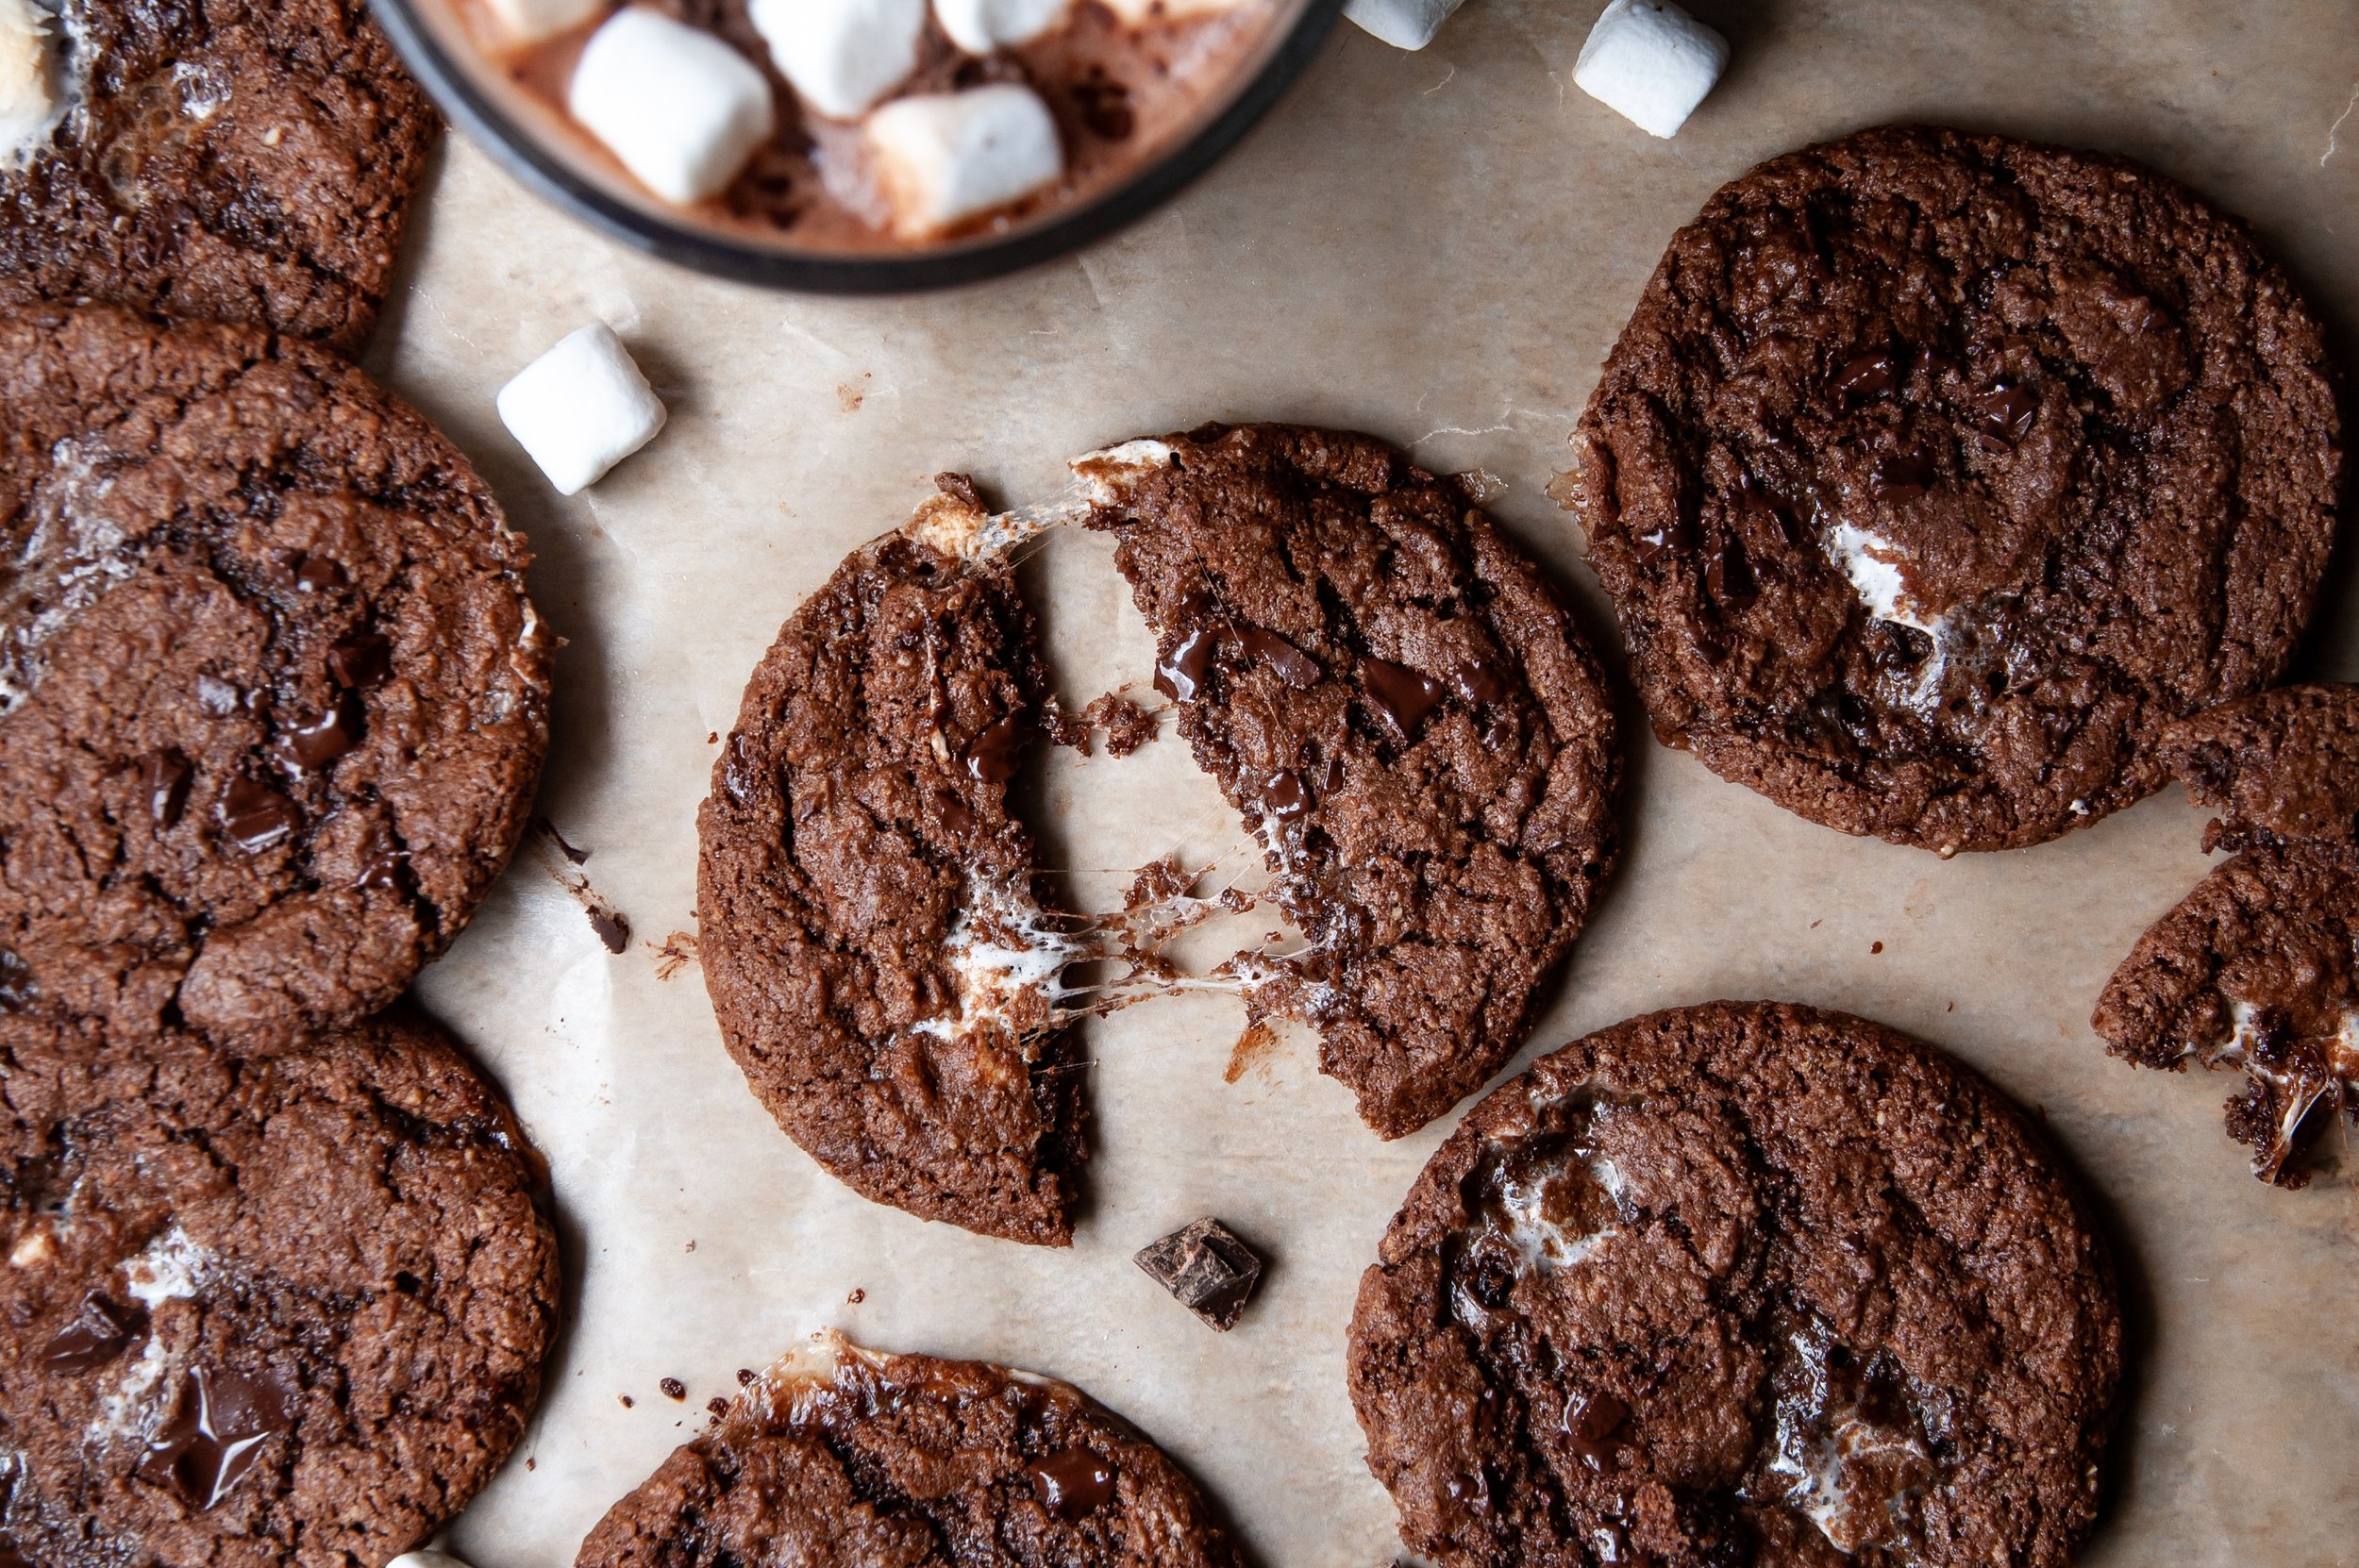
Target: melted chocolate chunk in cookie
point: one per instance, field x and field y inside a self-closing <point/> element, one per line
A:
<point x="841" y="1455"/>
<point x="1741" y="1284"/>
<point x="264" y="639"/>
<point x="233" y="160"/>
<point x="1409" y="720"/>
<point x="1937" y="473"/>
<point x="280" y="1309"/>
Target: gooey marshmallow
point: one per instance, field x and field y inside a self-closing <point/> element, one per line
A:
<point x="581" y="409"/>
<point x="943" y="158"/>
<point x="1402" y="23"/>
<point x="841" y="54"/>
<point x="979" y="27"/>
<point x="29" y="89"/>
<point x="1650" y="62"/>
<point x="682" y="110"/>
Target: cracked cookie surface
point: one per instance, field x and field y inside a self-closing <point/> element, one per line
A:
<point x="1740" y="1283"/>
<point x="1936" y="473"/>
<point x="1410" y="722"/>
<point x="864" y="895"/>
<point x="228" y="159"/>
<point x="271" y="698"/>
<point x="843" y="1455"/>
<point x="2280" y="766"/>
<point x="287" y="1309"/>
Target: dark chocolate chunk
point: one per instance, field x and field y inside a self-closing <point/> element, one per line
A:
<point x="993" y="757"/>
<point x="1870" y="375"/>
<point x="164" y="775"/>
<point x="1399" y="694"/>
<point x="1900" y="477"/>
<point x="361" y="659"/>
<point x="215" y="1434"/>
<point x="314" y="743"/>
<point x="1591" y="1420"/>
<point x="1481" y="680"/>
<point x="1209" y="1270"/>
<point x="2006" y="412"/>
<point x="1072" y="1483"/>
<point x="1283" y="792"/>
<point x="96" y="1336"/>
<point x="303" y="572"/>
<point x="256" y="816"/>
<point x="1181" y="674"/>
<point x="1295" y="667"/>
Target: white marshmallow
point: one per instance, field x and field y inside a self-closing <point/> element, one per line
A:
<point x="581" y="409"/>
<point x="1650" y="62"/>
<point x="29" y="100"/>
<point x="1143" y="13"/>
<point x="943" y="158"/>
<point x="841" y="54"/>
<point x="530" y="21"/>
<point x="682" y="110"/>
<point x="1402" y="23"/>
<point x="426" y="1558"/>
<point x="979" y="27"/>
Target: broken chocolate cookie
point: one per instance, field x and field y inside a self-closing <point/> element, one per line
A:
<point x="838" y="1454"/>
<point x="273" y="701"/>
<point x="1936" y="473"/>
<point x="2254" y="970"/>
<point x="283" y="1310"/>
<point x="1740" y="1284"/>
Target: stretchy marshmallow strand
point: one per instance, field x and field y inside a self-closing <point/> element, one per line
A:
<point x="682" y="110"/>
<point x="979" y="27"/>
<point x="841" y="54"/>
<point x="1402" y="23"/>
<point x="1650" y="62"/>
<point x="581" y="409"/>
<point x="943" y="158"/>
<point x="530" y="21"/>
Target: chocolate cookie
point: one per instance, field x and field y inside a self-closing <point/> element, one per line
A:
<point x="1937" y="473"/>
<point x="286" y="1310"/>
<point x="2255" y="968"/>
<point x="840" y="1455"/>
<point x="239" y="160"/>
<point x="864" y="897"/>
<point x="1740" y="1284"/>
<point x="272" y="699"/>
<point x="1410" y="724"/>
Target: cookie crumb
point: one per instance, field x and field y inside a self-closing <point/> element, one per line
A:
<point x="1875" y="947"/>
<point x="858" y="1296"/>
<point x="628" y="1401"/>
<point x="673" y="1388"/>
<point x="744" y="1376"/>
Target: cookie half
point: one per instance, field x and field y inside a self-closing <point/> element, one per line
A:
<point x="841" y="1455"/>
<point x="231" y="159"/>
<point x="285" y="1309"/>
<point x="1936" y="473"/>
<point x="1412" y="724"/>
<point x="864" y="897"/>
<point x="2281" y="767"/>
<point x="271" y="698"/>
<point x="1740" y="1283"/>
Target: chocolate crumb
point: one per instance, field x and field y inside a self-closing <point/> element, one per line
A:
<point x="628" y="1401"/>
<point x="1206" y="1268"/>
<point x="1875" y="947"/>
<point x="673" y="1388"/>
<point x="857" y="1297"/>
<point x="718" y="1406"/>
<point x="744" y="1376"/>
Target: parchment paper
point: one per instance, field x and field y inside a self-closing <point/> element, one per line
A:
<point x="1438" y="248"/>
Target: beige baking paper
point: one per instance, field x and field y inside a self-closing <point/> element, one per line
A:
<point x="1438" y="248"/>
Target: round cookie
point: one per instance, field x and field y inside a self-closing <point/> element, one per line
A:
<point x="1936" y="473"/>
<point x="286" y="1310"/>
<point x="841" y="1455"/>
<point x="1742" y="1283"/>
<point x="869" y="938"/>
<point x="1410" y="722"/>
<point x="271" y="698"/>
<point x="235" y="160"/>
<point x="2280" y="766"/>
<point x="2254" y="970"/>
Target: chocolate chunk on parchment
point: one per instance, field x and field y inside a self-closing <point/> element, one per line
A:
<point x="1206" y="1268"/>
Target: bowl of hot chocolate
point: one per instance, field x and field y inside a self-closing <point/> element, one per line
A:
<point x="857" y="145"/>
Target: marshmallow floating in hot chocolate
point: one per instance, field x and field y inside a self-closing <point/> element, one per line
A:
<point x="979" y="27"/>
<point x="841" y="55"/>
<point x="682" y="110"/>
<point x="1650" y="62"/>
<point x="1402" y="23"/>
<point x="943" y="158"/>
<point x="581" y="409"/>
<point x="530" y="21"/>
<point x="28" y="94"/>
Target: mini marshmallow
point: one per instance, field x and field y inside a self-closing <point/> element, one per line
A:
<point x="581" y="409"/>
<point x="530" y="21"/>
<point x="841" y="54"/>
<point x="1143" y="13"/>
<point x="426" y="1558"/>
<point x="946" y="157"/>
<point x="29" y="89"/>
<point x="1650" y="62"/>
<point x="979" y="27"/>
<point x="682" y="110"/>
<point x="1402" y="23"/>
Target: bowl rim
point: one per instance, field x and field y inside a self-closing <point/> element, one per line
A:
<point x="702" y="250"/>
